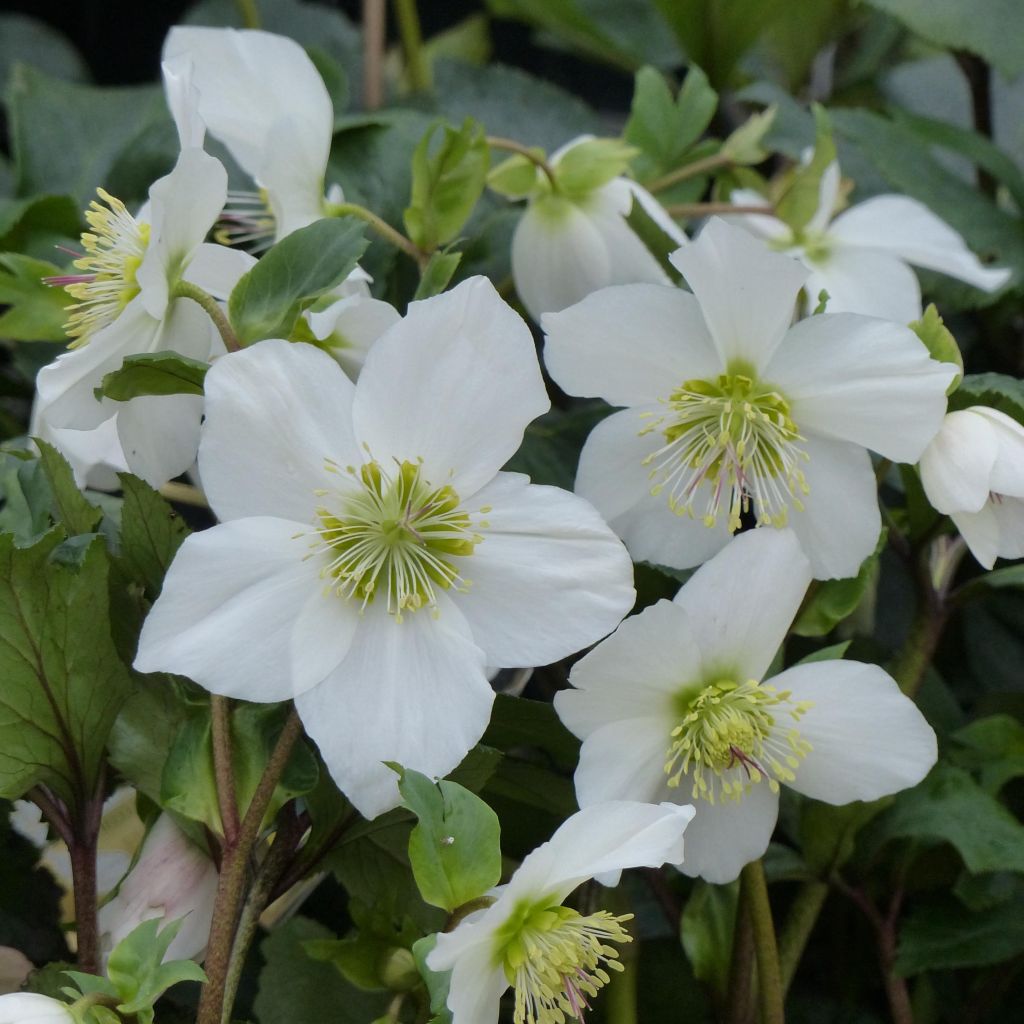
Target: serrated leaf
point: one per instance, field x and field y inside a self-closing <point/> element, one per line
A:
<point x="151" y="533"/>
<point x="63" y="681"/>
<point x="70" y="507"/>
<point x="455" y="849"/>
<point x="992" y="746"/>
<point x="268" y="299"/>
<point x="746" y="144"/>
<point x="997" y="390"/>
<point x="940" y="342"/>
<point x="154" y="373"/>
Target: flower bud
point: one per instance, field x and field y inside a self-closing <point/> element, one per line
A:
<point x="30" y="1008"/>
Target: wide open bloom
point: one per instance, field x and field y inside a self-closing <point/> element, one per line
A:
<point x="673" y="706"/>
<point x="563" y="249"/>
<point x="862" y="258"/>
<point x="730" y="411"/>
<point x="973" y="471"/>
<point x="371" y="558"/>
<point x="555" y="958"/>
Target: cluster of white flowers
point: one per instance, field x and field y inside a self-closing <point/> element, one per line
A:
<point x="375" y="563"/>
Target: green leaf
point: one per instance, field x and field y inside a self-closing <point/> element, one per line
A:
<point x="992" y="747"/>
<point x="455" y="850"/>
<point x="746" y="144"/>
<point x="154" y="373"/>
<point x="801" y="199"/>
<point x="268" y="299"/>
<point x="516" y="177"/>
<point x="831" y="653"/>
<point x="940" y="342"/>
<point x="997" y="390"/>
<point x="589" y="165"/>
<point x="658" y="242"/>
<point x="70" y="507"/>
<point x="447" y="181"/>
<point x="706" y="928"/>
<point x="63" y="681"/>
<point x="34" y="42"/>
<point x="151" y="533"/>
<point x="990" y="28"/>
<point x="663" y="128"/>
<point x="38" y="223"/>
<point x="38" y="311"/>
<point x="437" y="274"/>
<point x="831" y="601"/>
<point x="27" y="498"/>
<point x="437" y="984"/>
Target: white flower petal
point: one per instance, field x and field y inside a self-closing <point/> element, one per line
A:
<point x="908" y="229"/>
<point x="476" y="984"/>
<point x="980" y="530"/>
<point x="864" y="281"/>
<point x="747" y="293"/>
<point x="454" y="383"/>
<point x="217" y="268"/>
<point x="30" y="1008"/>
<point x="864" y="380"/>
<point x="412" y="691"/>
<point x="95" y="456"/>
<point x="1008" y="470"/>
<point x="868" y="739"/>
<point x="624" y="760"/>
<point x="548" y="578"/>
<point x="244" y="614"/>
<point x="633" y="674"/>
<point x="828" y="195"/>
<point x="292" y="172"/>
<point x="159" y="435"/>
<point x="350" y="326"/>
<point x="630" y="345"/>
<point x="558" y="256"/>
<point x="762" y="225"/>
<point x="840" y="524"/>
<point x="726" y="835"/>
<point x="1009" y="513"/>
<point x="956" y="468"/>
<point x="741" y="603"/>
<point x="274" y="413"/>
<point x="183" y="101"/>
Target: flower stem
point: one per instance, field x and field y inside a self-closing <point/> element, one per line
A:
<point x="706" y="209"/>
<point x="621" y="1001"/>
<point x="741" y="965"/>
<point x="188" y="290"/>
<point x="803" y="915"/>
<point x="374" y="30"/>
<point x="709" y="163"/>
<point x="250" y="13"/>
<point x="384" y="229"/>
<point x="233" y="882"/>
<point x="223" y="767"/>
<point x="184" y="494"/>
<point x="83" y="876"/>
<point x="769" y="978"/>
<point x="511" y="146"/>
<point x="416" y="62"/>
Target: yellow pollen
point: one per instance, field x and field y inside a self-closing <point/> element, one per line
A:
<point x="557" y="960"/>
<point x="735" y="435"/>
<point x="728" y="740"/>
<point x="114" y="249"/>
<point x="247" y="221"/>
<point x="393" y="533"/>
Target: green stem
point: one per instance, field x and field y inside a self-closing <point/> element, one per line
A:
<point x="83" y="876"/>
<point x="250" y="13"/>
<point x="709" y="163"/>
<point x="535" y="158"/>
<point x="803" y="915"/>
<point x="79" y="1007"/>
<point x="621" y="1001"/>
<point x="768" y="974"/>
<point x="188" y="290"/>
<point x="416" y="62"/>
<point x="374" y="31"/>
<point x="739" y="1005"/>
<point x="223" y="766"/>
<point x="384" y="229"/>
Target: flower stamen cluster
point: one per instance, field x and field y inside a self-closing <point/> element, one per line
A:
<point x="728" y="738"/>
<point x="396" y="534"/>
<point x="737" y="435"/>
<point x="247" y="221"/>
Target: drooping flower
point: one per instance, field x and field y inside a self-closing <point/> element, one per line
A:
<point x="371" y="558"/>
<point x="863" y="257"/>
<point x="126" y="306"/>
<point x="674" y="706"/>
<point x="172" y="879"/>
<point x="555" y="958"/>
<point x="567" y="246"/>
<point x="973" y="471"/>
<point x="30" y="1008"/>
<point x="732" y="412"/>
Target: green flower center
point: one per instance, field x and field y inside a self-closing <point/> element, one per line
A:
<point x="736" y="436"/>
<point x="557" y="960"/>
<point x="397" y="535"/>
<point x="727" y="739"/>
<point x="113" y="253"/>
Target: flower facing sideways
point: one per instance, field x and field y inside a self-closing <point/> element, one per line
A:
<point x="555" y="958"/>
<point x="732" y="412"/>
<point x="371" y="558"/>
<point x="674" y="706"/>
<point x="973" y="471"/>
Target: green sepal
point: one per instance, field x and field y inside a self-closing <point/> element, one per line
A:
<point x="516" y="177"/>
<point x="800" y="200"/>
<point x="587" y="166"/>
<point x="939" y="341"/>
<point x="438" y="983"/>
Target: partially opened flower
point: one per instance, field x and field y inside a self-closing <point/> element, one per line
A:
<point x="372" y="559"/>
<point x="346" y="328"/>
<point x="555" y="958"/>
<point x="733" y="412"/>
<point x="863" y="257"/>
<point x="674" y="706"/>
<point x="973" y="471"/>
<point x="30" y="1008"/>
<point x="566" y="246"/>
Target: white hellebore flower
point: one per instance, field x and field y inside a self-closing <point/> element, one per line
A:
<point x="30" y="1008"/>
<point x="372" y="559"/>
<point x="863" y="257"/>
<point x="672" y="707"/>
<point x="555" y="958"/>
<point x="973" y="471"/>
<point x="126" y="306"/>
<point x="730" y="411"/>
<point x="563" y="249"/>
<point x="172" y="879"/>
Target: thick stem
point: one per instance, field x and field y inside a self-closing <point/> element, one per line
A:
<point x="384" y="229"/>
<point x="250" y="13"/>
<point x="511" y="146"/>
<point x="223" y="767"/>
<point x="919" y="647"/>
<point x="184" y="494"/>
<point x="796" y="932"/>
<point x="707" y="209"/>
<point x="83" y="877"/>
<point x="188" y="290"/>
<point x="374" y="30"/>
<point x="740" y="1003"/>
<point x="979" y="81"/>
<point x="709" y="163"/>
<point x="769" y="978"/>
<point x="416" y="62"/>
